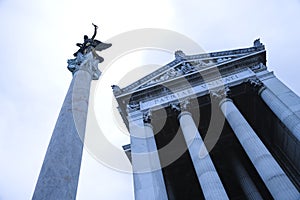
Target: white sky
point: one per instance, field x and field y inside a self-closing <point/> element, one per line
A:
<point x="37" y="37"/>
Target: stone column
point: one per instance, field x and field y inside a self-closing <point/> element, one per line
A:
<point x="59" y="175"/>
<point x="147" y="174"/>
<point x="283" y="102"/>
<point x="208" y="177"/>
<point x="280" y="109"/>
<point x="245" y="180"/>
<point x="282" y="92"/>
<point x="271" y="173"/>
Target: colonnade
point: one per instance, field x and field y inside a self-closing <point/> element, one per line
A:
<point x="273" y="176"/>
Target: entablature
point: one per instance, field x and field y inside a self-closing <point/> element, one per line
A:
<point x="193" y="75"/>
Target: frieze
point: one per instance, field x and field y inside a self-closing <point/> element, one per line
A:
<point x="203" y="88"/>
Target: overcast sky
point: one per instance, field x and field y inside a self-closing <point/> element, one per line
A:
<point x="37" y="37"/>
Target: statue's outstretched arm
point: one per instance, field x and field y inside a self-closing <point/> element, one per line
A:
<point x="95" y="31"/>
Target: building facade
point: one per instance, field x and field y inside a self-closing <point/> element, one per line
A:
<point x="213" y="126"/>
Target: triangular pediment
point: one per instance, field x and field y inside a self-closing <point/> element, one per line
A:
<point x="187" y="64"/>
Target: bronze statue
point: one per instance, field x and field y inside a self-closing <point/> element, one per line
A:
<point x="90" y="44"/>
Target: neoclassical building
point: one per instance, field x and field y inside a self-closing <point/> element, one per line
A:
<point x="213" y="126"/>
<point x="208" y="126"/>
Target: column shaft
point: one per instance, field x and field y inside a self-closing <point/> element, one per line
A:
<point x="59" y="175"/>
<point x="271" y="173"/>
<point x="207" y="175"/>
<point x="289" y="143"/>
<point x="147" y="174"/>
<point x="283" y="93"/>
<point x="286" y="115"/>
<point x="245" y="180"/>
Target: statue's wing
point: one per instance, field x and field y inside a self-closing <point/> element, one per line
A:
<point x="99" y="58"/>
<point x="101" y="46"/>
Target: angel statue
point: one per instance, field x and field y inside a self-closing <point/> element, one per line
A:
<point x="90" y="44"/>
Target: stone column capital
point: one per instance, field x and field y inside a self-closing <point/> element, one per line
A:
<point x="181" y="106"/>
<point x="87" y="62"/>
<point x="220" y="94"/>
<point x="147" y="115"/>
<point x="257" y="85"/>
<point x="255" y="82"/>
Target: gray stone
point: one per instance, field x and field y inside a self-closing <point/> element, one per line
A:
<point x="271" y="173"/>
<point x="283" y="93"/>
<point x="246" y="183"/>
<point x="208" y="177"/>
<point x="147" y="174"/>
<point x="290" y="119"/>
<point x="59" y="175"/>
<point x="284" y="111"/>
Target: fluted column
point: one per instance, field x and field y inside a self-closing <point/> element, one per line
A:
<point x="271" y="173"/>
<point x="282" y="92"/>
<point x="283" y="103"/>
<point x="208" y="177"/>
<point x="147" y="174"/>
<point x="282" y="111"/>
<point x="59" y="175"/>
<point x="245" y="180"/>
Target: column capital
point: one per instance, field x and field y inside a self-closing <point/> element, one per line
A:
<point x="147" y="115"/>
<point x="220" y="94"/>
<point x="257" y="85"/>
<point x="181" y="106"/>
<point x="87" y="62"/>
<point x="255" y="82"/>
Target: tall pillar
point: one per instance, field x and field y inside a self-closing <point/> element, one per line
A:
<point x="245" y="180"/>
<point x="147" y="174"/>
<point x="208" y="177"/>
<point x="271" y="173"/>
<point x="59" y="175"/>
<point x="284" y="113"/>
<point x="282" y="92"/>
<point x="283" y="102"/>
